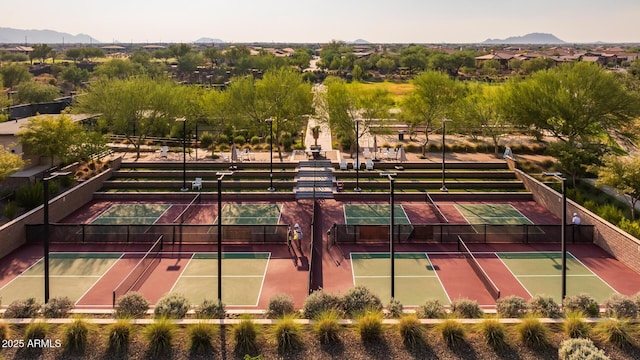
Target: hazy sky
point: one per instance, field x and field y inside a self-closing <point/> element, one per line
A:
<point x="401" y="21"/>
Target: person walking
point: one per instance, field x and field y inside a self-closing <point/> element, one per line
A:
<point x="297" y="236"/>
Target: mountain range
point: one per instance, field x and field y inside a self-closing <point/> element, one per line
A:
<point x="533" y="38"/>
<point x="20" y="36"/>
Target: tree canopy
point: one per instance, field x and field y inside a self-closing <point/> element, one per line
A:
<point x="9" y="162"/>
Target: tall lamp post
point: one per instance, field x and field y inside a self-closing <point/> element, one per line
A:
<point x="391" y="176"/>
<point x="184" y="153"/>
<point x="45" y="186"/>
<point x="444" y="130"/>
<point x="271" y="188"/>
<point x="220" y="176"/>
<point x="357" y="164"/>
<point x="558" y="176"/>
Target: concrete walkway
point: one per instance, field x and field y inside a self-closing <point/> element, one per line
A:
<point x="324" y="140"/>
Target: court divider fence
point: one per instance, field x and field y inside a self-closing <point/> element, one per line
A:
<point x="472" y="233"/>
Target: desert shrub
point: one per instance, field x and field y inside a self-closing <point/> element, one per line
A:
<point x="466" y="308"/>
<point x="239" y="139"/>
<point x="131" y="305"/>
<point x="119" y="334"/>
<point x="36" y="330"/>
<point x="67" y="180"/>
<point x="206" y="140"/>
<point x="245" y="334"/>
<point x="31" y="195"/>
<point x="636" y="299"/>
<point x="223" y="139"/>
<point x="200" y="337"/>
<point x="583" y="303"/>
<point x="369" y="325"/>
<point x="75" y="336"/>
<point x="580" y="349"/>
<point x="431" y="309"/>
<point x="5" y="331"/>
<point x="22" y="308"/>
<point x="616" y="332"/>
<point x="533" y="333"/>
<point x="412" y="148"/>
<point x="288" y="334"/>
<point x="631" y="227"/>
<point x="210" y="309"/>
<point x="320" y="302"/>
<point x="279" y="306"/>
<point x="452" y="332"/>
<point x="575" y="326"/>
<point x="57" y="307"/>
<point x="159" y="334"/>
<point x="411" y="331"/>
<point x="255" y="140"/>
<point x="171" y="306"/>
<point x="359" y="299"/>
<point x="494" y="333"/>
<point x="395" y="309"/>
<point x="327" y="326"/>
<point x="620" y="307"/>
<point x="511" y="307"/>
<point x="611" y="213"/>
<point x="10" y="210"/>
<point x="545" y="306"/>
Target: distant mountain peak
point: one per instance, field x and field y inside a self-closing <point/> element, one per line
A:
<point x="532" y="38"/>
<point x="32" y="36"/>
<point x="206" y="40"/>
<point x="360" y="42"/>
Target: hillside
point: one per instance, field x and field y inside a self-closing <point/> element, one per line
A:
<point x="21" y="36"/>
<point x="533" y="38"/>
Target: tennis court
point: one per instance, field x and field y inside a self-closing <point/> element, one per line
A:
<point x="494" y="214"/>
<point x="242" y="278"/>
<point x="373" y="214"/>
<point x="70" y="274"/>
<point x="131" y="214"/>
<point x="415" y="277"/>
<point x="251" y="214"/>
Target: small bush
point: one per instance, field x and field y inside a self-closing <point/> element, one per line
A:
<point x="22" y="308"/>
<point x="359" y="299"/>
<point x="171" y="306"/>
<point x="411" y="331"/>
<point x="370" y="326"/>
<point x="31" y="195"/>
<point x="545" y="306"/>
<point x="395" y="309"/>
<point x="620" y="307"/>
<point x="494" y="333"/>
<point x="452" y="332"/>
<point x="239" y="140"/>
<point x="119" y="334"/>
<point x="245" y="334"/>
<point x="432" y="309"/>
<point x="320" y="302"/>
<point x="575" y="327"/>
<point x="200" y="337"/>
<point x="57" y="307"/>
<point x="131" y="305"/>
<point x="288" y="334"/>
<point x="210" y="309"/>
<point x="327" y="326"/>
<point x="5" y="331"/>
<point x="206" y="140"/>
<point x="255" y="140"/>
<point x="10" y="210"/>
<point x="279" y="306"/>
<point x="533" y="333"/>
<point x="223" y="139"/>
<point x="159" y="334"/>
<point x="580" y="349"/>
<point x="36" y="330"/>
<point x="75" y="336"/>
<point x="583" y="303"/>
<point x="610" y="212"/>
<point x="511" y="307"/>
<point x="466" y="308"/>
<point x="616" y="332"/>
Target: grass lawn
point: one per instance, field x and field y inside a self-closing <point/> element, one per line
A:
<point x="398" y="91"/>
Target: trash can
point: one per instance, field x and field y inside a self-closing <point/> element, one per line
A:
<point x="400" y="135"/>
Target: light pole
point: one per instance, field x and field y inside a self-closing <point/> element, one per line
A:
<point x="220" y="176"/>
<point x="391" y="176"/>
<point x="184" y="153"/>
<point x="558" y="176"/>
<point x="444" y="130"/>
<point x="271" y="188"/>
<point x="45" y="186"/>
<point x="357" y="164"/>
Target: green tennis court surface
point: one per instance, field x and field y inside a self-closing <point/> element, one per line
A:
<point x="415" y="279"/>
<point x="373" y="214"/>
<point x="541" y="273"/>
<point x="250" y="214"/>
<point x="242" y="278"/>
<point x="70" y="274"/>
<point x="495" y="214"/>
<point x="132" y="214"/>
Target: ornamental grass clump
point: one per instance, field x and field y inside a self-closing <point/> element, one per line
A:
<point x="411" y="331"/>
<point x="160" y="335"/>
<point x="245" y="334"/>
<point x="583" y="303"/>
<point x="327" y="327"/>
<point x="533" y="333"/>
<point x="36" y="330"/>
<point x="466" y="309"/>
<point x="76" y="334"/>
<point x="511" y="307"/>
<point x="369" y="325"/>
<point x="5" y="331"/>
<point x="171" y="306"/>
<point x="452" y="332"/>
<point x="119" y="335"/>
<point x="574" y="325"/>
<point x="288" y="334"/>
<point x="616" y="332"/>
<point x="279" y="306"/>
<point x="494" y="333"/>
<point x="200" y="337"/>
<point x="431" y="309"/>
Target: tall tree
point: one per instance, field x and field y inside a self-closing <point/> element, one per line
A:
<point x="478" y="112"/>
<point x="35" y="92"/>
<point x="623" y="175"/>
<point x="40" y="51"/>
<point x="50" y="136"/>
<point x="14" y="74"/>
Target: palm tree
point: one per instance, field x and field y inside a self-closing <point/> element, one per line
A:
<point x="315" y="132"/>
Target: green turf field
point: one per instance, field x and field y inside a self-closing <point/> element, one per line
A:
<point x="373" y="214"/>
<point x="132" y="214"/>
<point x="250" y="214"/>
<point x="495" y="214"/>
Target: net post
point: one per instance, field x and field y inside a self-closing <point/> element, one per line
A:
<point x="83" y="233"/>
<point x="113" y="293"/>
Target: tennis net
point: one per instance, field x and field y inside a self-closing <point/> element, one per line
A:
<point x="184" y="215"/>
<point x="436" y="210"/>
<point x="140" y="272"/>
<point x="486" y="280"/>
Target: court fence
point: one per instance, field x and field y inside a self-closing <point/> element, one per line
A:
<point x="173" y="233"/>
<point x="448" y="233"/>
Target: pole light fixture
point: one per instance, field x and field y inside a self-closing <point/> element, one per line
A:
<point x="563" y="222"/>
<point x="220" y="176"/>
<point x="271" y="188"/>
<point x="392" y="178"/>
<point x="184" y="153"/>
<point x="444" y="130"/>
<point x="357" y="164"/>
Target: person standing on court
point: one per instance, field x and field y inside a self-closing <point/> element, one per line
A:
<point x="297" y="236"/>
<point x="576" y="219"/>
